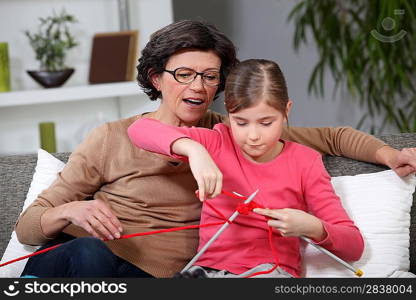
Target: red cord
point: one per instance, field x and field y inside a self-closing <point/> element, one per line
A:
<point x="245" y="209"/>
<point x="232" y="195"/>
<point x="29" y="255"/>
<point x="241" y="208"/>
<point x="126" y="236"/>
<point x="218" y="212"/>
<point x="276" y="257"/>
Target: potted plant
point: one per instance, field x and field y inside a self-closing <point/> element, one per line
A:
<point x="51" y="43"/>
<point x="369" y="49"/>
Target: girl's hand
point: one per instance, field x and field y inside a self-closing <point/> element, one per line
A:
<point x="294" y="222"/>
<point x="204" y="169"/>
<point x="206" y="173"/>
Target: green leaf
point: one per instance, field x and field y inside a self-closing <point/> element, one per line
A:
<point x="379" y="74"/>
<point x="52" y="41"/>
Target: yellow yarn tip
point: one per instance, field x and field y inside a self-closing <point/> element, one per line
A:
<point x="359" y="273"/>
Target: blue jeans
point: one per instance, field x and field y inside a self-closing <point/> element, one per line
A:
<point x="80" y="257"/>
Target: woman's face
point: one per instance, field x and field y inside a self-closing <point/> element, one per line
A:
<point x="185" y="104"/>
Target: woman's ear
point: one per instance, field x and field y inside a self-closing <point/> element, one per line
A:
<point x="288" y="108"/>
<point x="154" y="79"/>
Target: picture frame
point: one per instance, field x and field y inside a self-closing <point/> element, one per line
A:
<point x="113" y="57"/>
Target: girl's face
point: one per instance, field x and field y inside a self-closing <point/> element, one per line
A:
<point x="257" y="130"/>
<point x="185" y="104"/>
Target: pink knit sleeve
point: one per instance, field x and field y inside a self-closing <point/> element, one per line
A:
<point x="154" y="136"/>
<point x="344" y="238"/>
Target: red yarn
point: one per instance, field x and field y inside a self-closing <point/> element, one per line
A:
<point x="218" y="212"/>
<point x="126" y="236"/>
<point x="232" y="195"/>
<point x="245" y="209"/>
<point x="274" y="251"/>
<point x="242" y="208"/>
<point x="29" y="255"/>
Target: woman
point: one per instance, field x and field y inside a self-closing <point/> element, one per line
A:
<point x="131" y="190"/>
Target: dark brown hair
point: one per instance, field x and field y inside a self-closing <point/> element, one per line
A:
<point x="252" y="80"/>
<point x="177" y="36"/>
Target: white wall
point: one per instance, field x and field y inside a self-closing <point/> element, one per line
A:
<point x="260" y="30"/>
<point x="19" y="125"/>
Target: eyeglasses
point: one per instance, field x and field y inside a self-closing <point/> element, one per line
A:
<point x="186" y="76"/>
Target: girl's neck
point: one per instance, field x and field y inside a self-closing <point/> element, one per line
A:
<point x="269" y="155"/>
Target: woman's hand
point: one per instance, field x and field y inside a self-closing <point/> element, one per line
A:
<point x="294" y="222"/>
<point x="405" y="162"/>
<point x="95" y="217"/>
<point x="203" y="167"/>
<point x="402" y="162"/>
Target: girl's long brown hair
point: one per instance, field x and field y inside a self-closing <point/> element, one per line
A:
<point x="253" y="80"/>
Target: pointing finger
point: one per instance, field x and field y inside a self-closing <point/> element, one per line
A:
<point x="272" y="213"/>
<point x="201" y="189"/>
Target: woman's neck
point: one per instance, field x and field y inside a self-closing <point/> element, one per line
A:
<point x="167" y="118"/>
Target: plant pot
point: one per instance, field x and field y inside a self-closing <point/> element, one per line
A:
<point x="50" y="79"/>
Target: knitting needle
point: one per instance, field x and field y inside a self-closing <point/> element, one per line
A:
<point x="216" y="235"/>
<point x="357" y="272"/>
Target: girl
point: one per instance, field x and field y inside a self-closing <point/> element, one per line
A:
<point x="292" y="181"/>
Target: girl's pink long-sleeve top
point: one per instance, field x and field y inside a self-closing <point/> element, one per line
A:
<point x="296" y="179"/>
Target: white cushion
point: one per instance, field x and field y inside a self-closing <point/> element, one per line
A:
<point x="379" y="204"/>
<point x="46" y="170"/>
